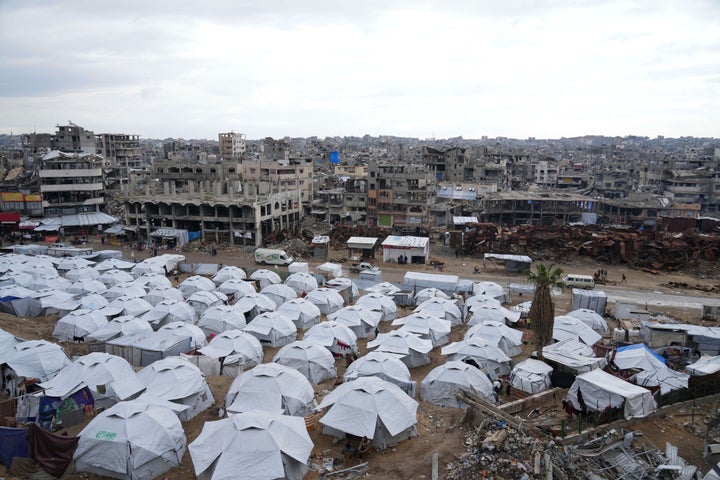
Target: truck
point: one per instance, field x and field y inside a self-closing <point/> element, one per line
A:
<point x="271" y="256"/>
<point x="360" y="266"/>
<point x="63" y="250"/>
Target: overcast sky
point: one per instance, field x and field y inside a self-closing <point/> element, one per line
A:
<point x="513" y="68"/>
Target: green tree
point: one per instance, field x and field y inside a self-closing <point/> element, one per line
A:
<point x="542" y="310"/>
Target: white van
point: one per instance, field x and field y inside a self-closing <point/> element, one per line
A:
<point x="272" y="257"/>
<point x="572" y="280"/>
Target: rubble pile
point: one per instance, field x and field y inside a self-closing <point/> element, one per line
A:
<point x="297" y="248"/>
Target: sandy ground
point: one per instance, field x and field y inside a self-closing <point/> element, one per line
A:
<point x="439" y="428"/>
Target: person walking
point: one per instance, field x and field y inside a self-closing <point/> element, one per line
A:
<point x="624" y="280"/>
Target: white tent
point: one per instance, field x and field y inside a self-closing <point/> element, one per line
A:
<point x="236" y="289"/>
<point x="706" y="365"/>
<point x="531" y="376"/>
<point x="125" y="289"/>
<point x="133" y="440"/>
<point x="492" y="313"/>
<point x="426" y="326"/>
<point x="178" y="381"/>
<point x="110" y="379"/>
<point x="654" y="372"/>
<point x="49" y="283"/>
<point x="183" y="329"/>
<point x="333" y="269"/>
<point x="591" y="318"/>
<point x="229" y="272"/>
<point x="313" y="361"/>
<point x="599" y="390"/>
<point x="254" y="445"/>
<point x="196" y="283"/>
<point x="480" y="352"/>
<point x="7" y="344"/>
<point x="428" y="293"/>
<point x="507" y="339"/>
<point x="84" y="286"/>
<point x="370" y="407"/>
<point x="339" y="339"/>
<point x="78" y="323"/>
<point x="148" y="267"/>
<point x="327" y="300"/>
<point x="571" y="327"/>
<point x="204" y="299"/>
<point x="69" y="263"/>
<point x="411" y="349"/>
<point x="303" y="314"/>
<point x="442" y="308"/>
<point x="169" y="311"/>
<point x="272" y="387"/>
<point x="157" y="295"/>
<point x="480" y="300"/>
<point x="153" y="281"/>
<point x="341" y="284"/>
<point x="573" y="355"/>
<point x="386" y="288"/>
<point x="84" y="273"/>
<point x="217" y="319"/>
<point x="383" y="365"/>
<point x="240" y="351"/>
<point x="118" y="326"/>
<point x="93" y="301"/>
<point x="443" y="382"/>
<point x="279" y="293"/>
<point x="113" y="277"/>
<point x="265" y="277"/>
<point x="380" y="303"/>
<point x="360" y="320"/>
<point x="272" y="328"/>
<point x="491" y="289"/>
<point x="36" y="359"/>
<point x="301" y="282"/>
<point x="113" y="264"/>
<point x="254" y="304"/>
<point x="124" y="305"/>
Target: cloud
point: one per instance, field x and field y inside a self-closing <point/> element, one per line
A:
<point x="327" y="67"/>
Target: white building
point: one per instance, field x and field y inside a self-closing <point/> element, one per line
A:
<point x="406" y="249"/>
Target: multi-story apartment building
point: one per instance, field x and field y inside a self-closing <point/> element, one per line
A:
<point x="277" y="150"/>
<point x="122" y="155"/>
<point x="72" y="138"/>
<point x="451" y="165"/>
<point x="71" y="183"/>
<point x="225" y="201"/>
<point x="232" y="145"/>
<point x="400" y="195"/>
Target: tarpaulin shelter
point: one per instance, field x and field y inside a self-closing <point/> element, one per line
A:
<point x="507" y="339"/>
<point x="178" y="381"/>
<point x="313" y="361"/>
<point x="654" y="371"/>
<point x="531" y="376"/>
<point x="133" y="440"/>
<point x="265" y="277"/>
<point x="229" y="272"/>
<point x="412" y="350"/>
<point x="217" y="319"/>
<point x="279" y="293"/>
<point x="272" y="387"/>
<point x="357" y="318"/>
<point x="169" y="311"/>
<point x="380" y="303"/>
<point x="706" y="365"/>
<point x="572" y="356"/>
<point x="383" y="365"/>
<point x="141" y="349"/>
<point x="339" y="339"/>
<point x="444" y="381"/>
<point x="202" y="300"/>
<point x="303" y="314"/>
<point x="301" y="282"/>
<point x="255" y="445"/>
<point x="591" y="318"/>
<point x="272" y="328"/>
<point x="157" y="295"/>
<point x="442" y="308"/>
<point x="480" y="352"/>
<point x="426" y="326"/>
<point x="370" y="407"/>
<point x="118" y="326"/>
<point x="599" y="390"/>
<point x="194" y="284"/>
<point x="571" y="327"/>
<point x="239" y="350"/>
<point x="78" y="323"/>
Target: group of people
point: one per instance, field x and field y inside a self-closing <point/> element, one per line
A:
<point x="349" y="451"/>
<point x="500" y="386"/>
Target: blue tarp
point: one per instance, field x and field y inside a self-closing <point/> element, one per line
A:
<point x="13" y="443"/>
<point x="635" y="346"/>
<point x="335" y="157"/>
<point x="193" y="236"/>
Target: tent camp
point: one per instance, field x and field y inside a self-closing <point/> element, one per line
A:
<point x="339" y="339"/>
<point x="426" y="326"/>
<point x="370" y="407"/>
<point x="531" y="376"/>
<point x="217" y="319"/>
<point x="272" y="328"/>
<point x="412" y="350"/>
<point x="599" y="390"/>
<point x="480" y="352"/>
<point x="272" y="387"/>
<point x="239" y="350"/>
<point x="313" y="361"/>
<point x="303" y="314"/>
<point x="442" y="308"/>
<point x="383" y="365"/>
<point x="133" y="440"/>
<point x="178" y="381"/>
<point x="380" y="303"/>
<point x="443" y="382"/>
<point x="253" y="445"/>
<point x="361" y="321"/>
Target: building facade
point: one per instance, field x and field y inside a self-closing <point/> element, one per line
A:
<point x="71" y="183"/>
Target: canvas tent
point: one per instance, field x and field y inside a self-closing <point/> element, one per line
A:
<point x="313" y="361"/>
<point x="272" y="387"/>
<point x="202" y="300"/>
<point x="380" y="303"/>
<point x="254" y="304"/>
<point x="37" y="359"/>
<point x="592" y="319"/>
<point x="410" y="348"/>
<point x="141" y="349"/>
<point x="428" y="293"/>
<point x="301" y="282"/>
<point x="382" y="365"/>
<point x="217" y="319"/>
<point x="572" y="356"/>
<point x="599" y="390"/>
<point x="78" y="323"/>
<point x="492" y="313"/>
<point x="361" y="321"/>
<point x="133" y="440"/>
<point x="370" y="407"/>
<point x="272" y="328"/>
<point x="303" y="314"/>
<point x="255" y="445"/>
<point x="328" y="300"/>
<point x="229" y="272"/>
<point x="443" y="382"/>
<point x="178" y="381"/>
<point x="236" y="289"/>
<point x="169" y="311"/>
<point x="239" y="351"/>
<point x="480" y="352"/>
<point x="531" y="376"/>
<point x="509" y="340"/>
<point x="653" y="369"/>
<point x="182" y="329"/>
<point x="441" y="308"/>
<point x="118" y="326"/>
<point x="157" y="295"/>
<point x="571" y="327"/>
<point x="426" y="326"/>
<point x="279" y="293"/>
<point x="265" y="277"/>
<point x="706" y="365"/>
<point x="339" y="339"/>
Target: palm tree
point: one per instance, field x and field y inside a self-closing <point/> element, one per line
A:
<point x="542" y="310"/>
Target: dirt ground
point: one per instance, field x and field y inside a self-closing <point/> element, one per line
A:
<point x="439" y="428"/>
